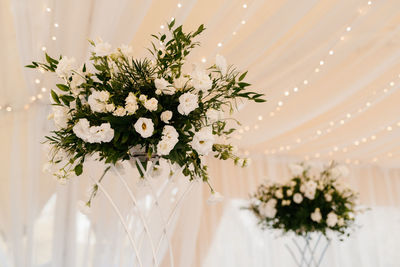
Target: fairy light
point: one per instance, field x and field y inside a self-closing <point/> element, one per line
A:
<point x="243" y="22"/>
<point x="204" y="60"/>
<point x="244" y="6"/>
<point x="48" y="9"/>
<point x="162" y="26"/>
<point x="179" y="5"/>
<point x="260" y="118"/>
<point x="8" y="109"/>
<point x="305" y="82"/>
<point x="280" y="103"/>
<point x="43" y="89"/>
<point x="321" y="62"/>
<point x="331" y="52"/>
<point x="56" y="25"/>
<point x="37" y="81"/>
<point x="286" y="93"/>
<point x="53" y="38"/>
<point x="219" y="44"/>
<point x="348" y="28"/>
<point x="295" y="89"/>
<point x="389" y="128"/>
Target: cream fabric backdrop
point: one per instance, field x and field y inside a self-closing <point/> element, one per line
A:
<point x="347" y="110"/>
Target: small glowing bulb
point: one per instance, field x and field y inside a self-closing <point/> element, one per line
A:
<point x="342" y="122"/>
<point x="162" y="26"/>
<point x="390" y="155"/>
<point x="9" y="109"/>
<point x="348" y="29"/>
<point x="375" y="159"/>
<point x="286" y="93"/>
<point x="373" y="137"/>
<point x="244" y="5"/>
<point x="260" y="118"/>
<point x="179" y="5"/>
<point x="243" y="22"/>
<point x="33" y="98"/>
<point x="341" y="38"/>
<point x="204" y="60"/>
<point x="298" y="140"/>
<point x="316" y="69"/>
<point x="280" y="103"/>
<point x="219" y="44"/>
<point x="385" y="90"/>
<point x="348" y="115"/>
<point x="37" y="81"/>
<point x="364" y="140"/>
<point x="26" y="107"/>
<point x="356" y="142"/>
<point x="44" y="48"/>
<point x="39" y="96"/>
<point x="233" y="33"/>
<point x="317" y="155"/>
<point x="288" y="147"/>
<point x="53" y="38"/>
<point x="56" y="25"/>
<point x="305" y="82"/>
<point x="319" y="132"/>
<point x="331" y="123"/>
<point x="295" y="89"/>
<point x="368" y="104"/>
<point x="43" y="89"/>
<point x="389" y="128"/>
<point x="48" y="9"/>
<point x="331" y="52"/>
<point x="321" y="62"/>
<point x="272" y="114"/>
<point x="369" y="3"/>
<point x="256" y="126"/>
<point x="335" y="148"/>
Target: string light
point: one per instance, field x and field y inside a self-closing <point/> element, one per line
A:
<point x="204" y="60"/>
<point x="244" y="5"/>
<point x="179" y="5"/>
<point x="219" y="44"/>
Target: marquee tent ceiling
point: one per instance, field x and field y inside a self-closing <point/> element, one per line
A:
<point x="330" y="69"/>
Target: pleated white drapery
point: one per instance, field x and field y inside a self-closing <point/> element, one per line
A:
<point x="330" y="72"/>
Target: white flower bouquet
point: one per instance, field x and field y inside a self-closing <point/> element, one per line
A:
<point x="311" y="201"/>
<point x="120" y="108"/>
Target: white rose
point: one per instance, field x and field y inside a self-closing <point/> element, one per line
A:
<point x="328" y="197"/>
<point x="102" y="49"/>
<point x="164" y="86"/>
<point x="166" y="116"/>
<point x="279" y="194"/>
<point x="340" y="171"/>
<point x="164" y="147"/>
<point x="181" y="82"/>
<point x="332" y="219"/>
<point x="203" y="141"/>
<point x="151" y="104"/>
<point x="289" y="192"/>
<point x="142" y="98"/>
<point x="104" y="96"/>
<point x="144" y="127"/>
<point x="187" y="103"/>
<point x="296" y="169"/>
<point x="268" y="209"/>
<point x="158" y="92"/>
<point x="310" y="190"/>
<point x="95" y="134"/>
<point x="95" y="102"/>
<point x="213" y="115"/>
<point x="126" y="50"/>
<point x="215" y="198"/>
<point x="340" y="222"/>
<point x="200" y="80"/>
<point x="61" y="116"/>
<point x="170" y="133"/>
<point x="65" y="67"/>
<point x="110" y="107"/>
<point x="221" y="64"/>
<point x="120" y="111"/>
<point x="297" y="198"/>
<point x="316" y="216"/>
<point x="77" y="79"/>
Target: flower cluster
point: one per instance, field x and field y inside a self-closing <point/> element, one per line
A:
<point x="119" y="108"/>
<point x="311" y="201"/>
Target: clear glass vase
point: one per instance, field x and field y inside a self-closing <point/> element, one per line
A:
<point x="308" y="250"/>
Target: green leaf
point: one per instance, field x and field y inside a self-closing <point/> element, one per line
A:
<point x="55" y="97"/>
<point x="63" y="87"/>
<point x="30" y="66"/>
<point x="242" y="76"/>
<point x="78" y="169"/>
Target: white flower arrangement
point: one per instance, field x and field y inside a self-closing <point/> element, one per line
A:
<point x="311" y="201"/>
<point x="125" y="108"/>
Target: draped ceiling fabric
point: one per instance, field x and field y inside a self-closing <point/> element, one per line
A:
<point x="329" y="69"/>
